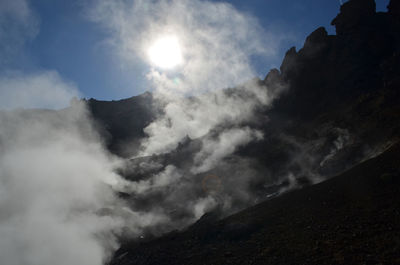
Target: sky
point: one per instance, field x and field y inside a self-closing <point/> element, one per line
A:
<point x="53" y="50"/>
<point x="77" y="49"/>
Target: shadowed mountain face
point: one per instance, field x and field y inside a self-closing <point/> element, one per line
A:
<point x="121" y="122"/>
<point x="350" y="219"/>
<point x="340" y="107"/>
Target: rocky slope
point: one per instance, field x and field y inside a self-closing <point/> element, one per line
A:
<point x="353" y="218"/>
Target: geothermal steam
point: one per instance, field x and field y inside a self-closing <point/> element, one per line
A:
<point x="217" y="43"/>
<point x="55" y="179"/>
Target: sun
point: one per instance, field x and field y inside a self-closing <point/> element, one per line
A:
<point x="166" y="52"/>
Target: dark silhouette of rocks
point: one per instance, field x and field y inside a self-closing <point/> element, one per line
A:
<point x="330" y="71"/>
<point x="394" y="8"/>
<point x="354" y="16"/>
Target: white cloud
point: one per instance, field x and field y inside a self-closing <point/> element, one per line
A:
<point x="159" y="181"/>
<point x="217" y="40"/>
<point x="41" y="89"/>
<point x="44" y="89"/>
<point x="217" y="43"/>
<point x="214" y="150"/>
<point x="55" y="177"/>
<point x="57" y="182"/>
<point x="18" y="24"/>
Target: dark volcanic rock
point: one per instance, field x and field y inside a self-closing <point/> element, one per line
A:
<point x="394" y="7"/>
<point x="331" y="71"/>
<point x="289" y="62"/>
<point x="121" y="122"/>
<point x="353" y="218"/>
<point x="274" y="81"/>
<point x="316" y="42"/>
<point x="354" y="15"/>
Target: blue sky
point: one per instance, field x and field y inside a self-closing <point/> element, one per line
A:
<point x="74" y="46"/>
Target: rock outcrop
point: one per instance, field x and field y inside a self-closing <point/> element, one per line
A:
<point x="354" y="15"/>
<point x="394" y="8"/>
<point x="330" y="71"/>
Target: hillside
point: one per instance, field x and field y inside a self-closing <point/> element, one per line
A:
<point x="353" y="218"/>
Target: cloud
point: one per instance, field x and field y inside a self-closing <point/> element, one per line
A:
<point x="197" y="116"/>
<point x="55" y="179"/>
<point x="45" y="89"/>
<point x="18" y="89"/>
<point x="214" y="150"/>
<point x="168" y="176"/>
<point x="217" y="40"/>
<point x="18" y="24"/>
<point x="17" y="9"/>
<point x="58" y="185"/>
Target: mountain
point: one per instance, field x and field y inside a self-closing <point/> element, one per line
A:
<point x="121" y="122"/>
<point x="339" y="111"/>
<point x="353" y="218"/>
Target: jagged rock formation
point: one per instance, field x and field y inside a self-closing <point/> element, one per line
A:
<point x="334" y="70"/>
<point x="348" y="81"/>
<point x="355" y="16"/>
<point x="394" y="8"/>
<point x="339" y="87"/>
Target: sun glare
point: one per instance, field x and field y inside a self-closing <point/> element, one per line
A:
<point x="166" y="52"/>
